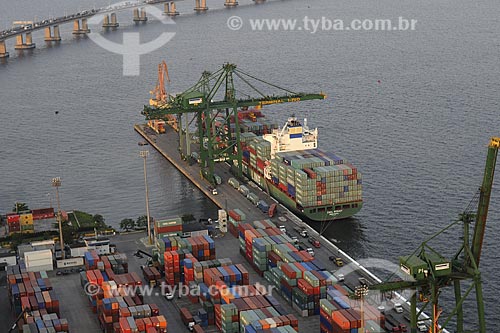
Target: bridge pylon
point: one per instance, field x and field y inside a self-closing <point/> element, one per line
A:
<point x="140" y="15"/>
<point x="22" y="45"/>
<point x="82" y="29"/>
<point x="110" y="21"/>
<point x="231" y="3"/>
<point x="52" y="34"/>
<point x="170" y="9"/>
<point x="200" y="5"/>
<point x="3" y="50"/>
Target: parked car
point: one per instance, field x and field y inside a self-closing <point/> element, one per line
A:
<point x="310" y="251"/>
<point x="337" y="260"/>
<point x="314" y="242"/>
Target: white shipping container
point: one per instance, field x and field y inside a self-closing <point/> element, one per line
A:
<point x="41" y="262"/>
<point x="9" y="260"/>
<point x="40" y="268"/>
<point x="37" y="255"/>
<point x="70" y="262"/>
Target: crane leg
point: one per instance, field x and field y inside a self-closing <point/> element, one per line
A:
<point x="480" y="303"/>
<point x="460" y="311"/>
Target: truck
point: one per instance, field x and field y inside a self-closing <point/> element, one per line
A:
<point x="234" y="183"/>
<point x="263" y="206"/>
<point x="253" y="198"/>
<point x="151" y="275"/>
<point x="301" y="231"/>
<point x="243" y="190"/>
<point x="272" y="210"/>
<point x="187" y="318"/>
<point x="394" y="325"/>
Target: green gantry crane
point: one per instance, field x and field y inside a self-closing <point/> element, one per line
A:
<point x="430" y="271"/>
<point x="219" y="143"/>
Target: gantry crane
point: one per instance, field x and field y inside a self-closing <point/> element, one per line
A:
<point x="430" y="271"/>
<point x="159" y="95"/>
<point x="215" y="95"/>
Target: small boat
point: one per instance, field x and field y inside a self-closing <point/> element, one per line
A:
<point x="142" y="143"/>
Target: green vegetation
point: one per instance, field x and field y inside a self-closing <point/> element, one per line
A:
<point x="85" y="221"/>
<point x="14" y="240"/>
<point x="20" y="206"/>
<point x="142" y="222"/>
<point x="127" y="224"/>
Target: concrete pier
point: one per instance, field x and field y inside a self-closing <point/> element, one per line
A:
<point x="231" y="3"/>
<point x="80" y="29"/>
<point x="3" y="50"/>
<point x="140" y="15"/>
<point x="21" y="45"/>
<point x="52" y="34"/>
<point x="170" y="9"/>
<point x="200" y="5"/>
<point x="110" y="23"/>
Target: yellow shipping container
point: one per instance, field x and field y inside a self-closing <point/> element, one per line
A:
<point x="26" y="218"/>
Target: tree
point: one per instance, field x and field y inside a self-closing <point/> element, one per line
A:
<point x="127" y="224"/>
<point x="142" y="221"/>
<point x="99" y="219"/>
<point x="20" y="206"/>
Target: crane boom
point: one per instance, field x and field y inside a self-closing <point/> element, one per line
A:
<point x="484" y="199"/>
<point x="177" y="108"/>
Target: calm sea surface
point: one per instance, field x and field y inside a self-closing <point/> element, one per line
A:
<point x="413" y="110"/>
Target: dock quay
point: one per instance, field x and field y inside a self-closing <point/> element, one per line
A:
<point x="74" y="302"/>
<point x="229" y="198"/>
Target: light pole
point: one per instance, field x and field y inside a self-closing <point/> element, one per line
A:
<point x="362" y="292"/>
<point x="56" y="182"/>
<point x="144" y="154"/>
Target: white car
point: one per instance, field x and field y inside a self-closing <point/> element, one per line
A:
<point x="398" y="308"/>
<point x="282" y="228"/>
<point x="310" y="251"/>
<point x="421" y="326"/>
<point x="169" y="295"/>
<point x="294" y="239"/>
<point x="340" y="277"/>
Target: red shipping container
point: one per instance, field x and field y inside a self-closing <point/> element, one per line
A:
<point x="13" y="218"/>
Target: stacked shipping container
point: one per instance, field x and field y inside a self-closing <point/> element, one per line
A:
<point x="315" y="177"/>
<point x="33" y="291"/>
<point x="339" y="314"/>
<point x="117" y="302"/>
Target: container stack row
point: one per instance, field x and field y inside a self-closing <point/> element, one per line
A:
<point x="20" y="223"/>
<point x="315" y="177"/>
<point x="117" y="301"/>
<point x="256" y="245"/>
<point x="236" y="216"/>
<point x="168" y="227"/>
<point x="179" y="267"/>
<point x="33" y="292"/>
<point x="117" y="263"/>
<point x="202" y="247"/>
<point x="339" y="314"/>
<point x="252" y="313"/>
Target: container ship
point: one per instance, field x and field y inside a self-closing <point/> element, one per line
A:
<point x="287" y="163"/>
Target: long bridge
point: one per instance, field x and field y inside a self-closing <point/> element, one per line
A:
<point x="22" y="30"/>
